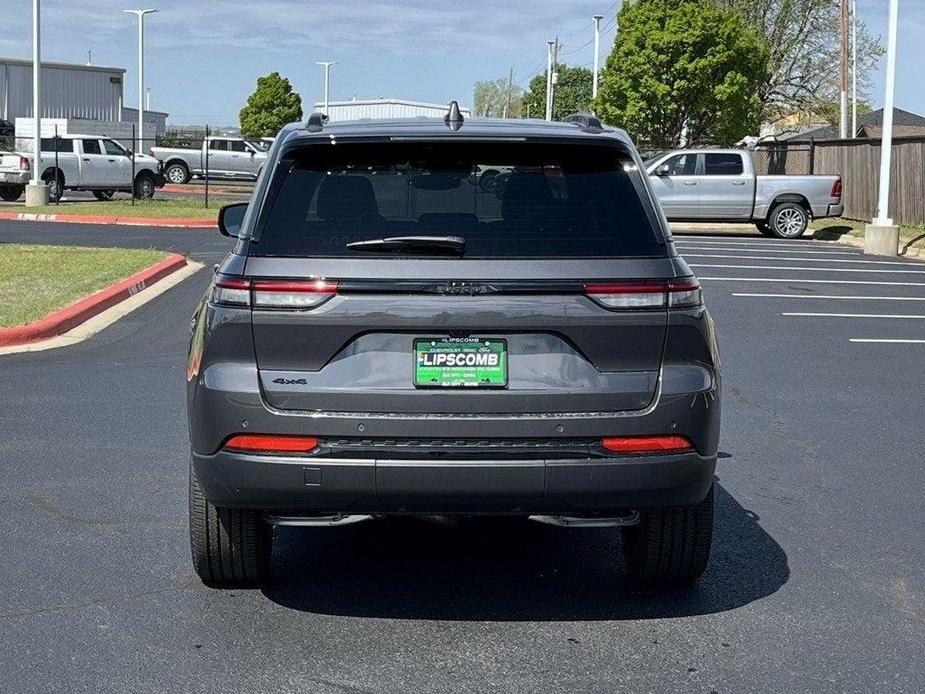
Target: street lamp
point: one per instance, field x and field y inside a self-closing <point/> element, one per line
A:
<point x="597" y="50"/>
<point x="326" y="64"/>
<point x="141" y="73"/>
<point x="881" y="237"/>
<point x="37" y="191"/>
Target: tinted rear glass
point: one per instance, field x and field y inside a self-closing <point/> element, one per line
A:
<point x="505" y="199"/>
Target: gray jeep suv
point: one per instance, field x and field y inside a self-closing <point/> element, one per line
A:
<point x="431" y="316"/>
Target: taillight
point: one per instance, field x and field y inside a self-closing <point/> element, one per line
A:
<point x="266" y="293"/>
<point x="270" y="443"/>
<point x="836" y="188"/>
<point x="627" y="445"/>
<point x="682" y="293"/>
<point x="24" y="164"/>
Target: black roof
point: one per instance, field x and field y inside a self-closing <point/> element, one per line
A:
<point x="472" y="128"/>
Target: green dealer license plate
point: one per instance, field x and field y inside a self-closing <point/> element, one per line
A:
<point x="460" y="362"/>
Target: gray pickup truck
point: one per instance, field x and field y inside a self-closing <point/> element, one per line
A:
<point x="227" y="157"/>
<point x="720" y="185"/>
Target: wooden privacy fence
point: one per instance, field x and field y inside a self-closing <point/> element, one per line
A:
<point x="858" y="162"/>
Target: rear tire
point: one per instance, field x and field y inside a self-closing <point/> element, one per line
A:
<point x="670" y="545"/>
<point x="144" y="186"/>
<point x="103" y="194"/>
<point x="55" y="183"/>
<point x="788" y="220"/>
<point x="229" y="546"/>
<point x="11" y="193"/>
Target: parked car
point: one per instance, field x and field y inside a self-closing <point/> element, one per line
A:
<point x="228" y="157"/>
<point x="720" y="185"/>
<point x="389" y="338"/>
<point x="96" y="164"/>
<point x="15" y="173"/>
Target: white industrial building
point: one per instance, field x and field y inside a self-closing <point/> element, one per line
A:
<point x="384" y="109"/>
<point x="77" y="98"/>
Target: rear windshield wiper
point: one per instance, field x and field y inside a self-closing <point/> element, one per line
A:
<point x="449" y="245"/>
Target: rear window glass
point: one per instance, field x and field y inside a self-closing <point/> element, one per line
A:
<point x="505" y="199"/>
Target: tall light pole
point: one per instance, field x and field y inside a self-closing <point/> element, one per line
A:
<point x="881" y="237"/>
<point x="326" y="64"/>
<point x="36" y="191"/>
<point x="549" y="45"/>
<point x="141" y="74"/>
<point x="597" y="51"/>
<point x="843" y="69"/>
<point x="854" y="68"/>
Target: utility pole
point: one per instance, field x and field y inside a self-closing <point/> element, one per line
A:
<point x="37" y="191"/>
<point x="141" y="74"/>
<point x="555" y="79"/>
<point x="510" y="88"/>
<point x="843" y="69"/>
<point x="326" y="64"/>
<point x="881" y="236"/>
<point x="549" y="45"/>
<point x="854" y="68"/>
<point x="148" y="98"/>
<point x="597" y="51"/>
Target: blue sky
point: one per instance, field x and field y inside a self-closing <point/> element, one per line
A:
<point x="203" y="56"/>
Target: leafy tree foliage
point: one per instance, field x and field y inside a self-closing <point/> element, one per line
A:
<point x="572" y="93"/>
<point x="683" y="65"/>
<point x="272" y="105"/>
<point x="492" y="97"/>
<point x="803" y="50"/>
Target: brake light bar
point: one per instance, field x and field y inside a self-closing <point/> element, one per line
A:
<point x="272" y="293"/>
<point x="271" y="443"/>
<point x="646" y="444"/>
<point x="680" y="293"/>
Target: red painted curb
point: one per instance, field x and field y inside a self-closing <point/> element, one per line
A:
<point x="188" y="222"/>
<point x="82" y="310"/>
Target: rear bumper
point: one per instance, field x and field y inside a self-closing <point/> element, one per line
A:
<point x="316" y="485"/>
<point x="15" y="178"/>
<point x="160" y="180"/>
<point x="834" y="210"/>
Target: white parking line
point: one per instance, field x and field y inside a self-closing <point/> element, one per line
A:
<point x="800" y="280"/>
<point x="830" y="297"/>
<point x="807" y="260"/>
<point x="763" y="249"/>
<point x="855" y="315"/>
<point x="805" y="269"/>
<point x="743" y="239"/>
<point x="887" y="342"/>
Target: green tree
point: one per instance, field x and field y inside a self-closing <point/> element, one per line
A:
<point x="272" y="105"/>
<point x="683" y="66"/>
<point x="572" y="93"/>
<point x="496" y="97"/>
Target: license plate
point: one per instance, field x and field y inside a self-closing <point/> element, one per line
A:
<point x="465" y="362"/>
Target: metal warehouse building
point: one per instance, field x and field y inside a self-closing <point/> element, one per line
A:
<point x="384" y="108"/>
<point x="68" y="91"/>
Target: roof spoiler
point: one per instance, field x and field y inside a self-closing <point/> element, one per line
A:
<point x="586" y="121"/>
<point x="316" y="122"/>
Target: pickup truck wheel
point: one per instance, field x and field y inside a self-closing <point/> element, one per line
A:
<point x="55" y="183"/>
<point x="103" y="194"/>
<point x="788" y="220"/>
<point x="11" y="193"/>
<point x="144" y="186"/>
<point x="670" y="545"/>
<point x="229" y="546"/>
<point x="177" y="174"/>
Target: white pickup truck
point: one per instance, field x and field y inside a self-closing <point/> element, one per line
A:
<point x="225" y="157"/>
<point x="720" y="185"/>
<point x="83" y="162"/>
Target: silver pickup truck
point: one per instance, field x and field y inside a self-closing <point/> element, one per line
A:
<point x="720" y="185"/>
<point x="228" y="157"/>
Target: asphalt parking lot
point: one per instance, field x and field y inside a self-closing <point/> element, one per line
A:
<point x="817" y="581"/>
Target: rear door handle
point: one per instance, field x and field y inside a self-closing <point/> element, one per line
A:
<point x="112" y="160"/>
<point x="86" y="160"/>
<point x="738" y="183"/>
<point x="690" y="183"/>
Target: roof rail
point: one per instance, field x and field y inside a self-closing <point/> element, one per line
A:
<point x="586" y="121"/>
<point x="316" y="122"/>
<point x="454" y="117"/>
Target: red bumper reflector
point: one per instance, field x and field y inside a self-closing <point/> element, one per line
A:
<point x="647" y="444"/>
<point x="264" y="443"/>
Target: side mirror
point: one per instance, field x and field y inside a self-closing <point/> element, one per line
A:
<point x="663" y="170"/>
<point x="231" y="218"/>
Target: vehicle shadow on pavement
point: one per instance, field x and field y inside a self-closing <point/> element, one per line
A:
<point x="509" y="569"/>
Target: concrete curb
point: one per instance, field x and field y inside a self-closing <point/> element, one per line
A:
<point x="186" y="223"/>
<point x="81" y="310"/>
